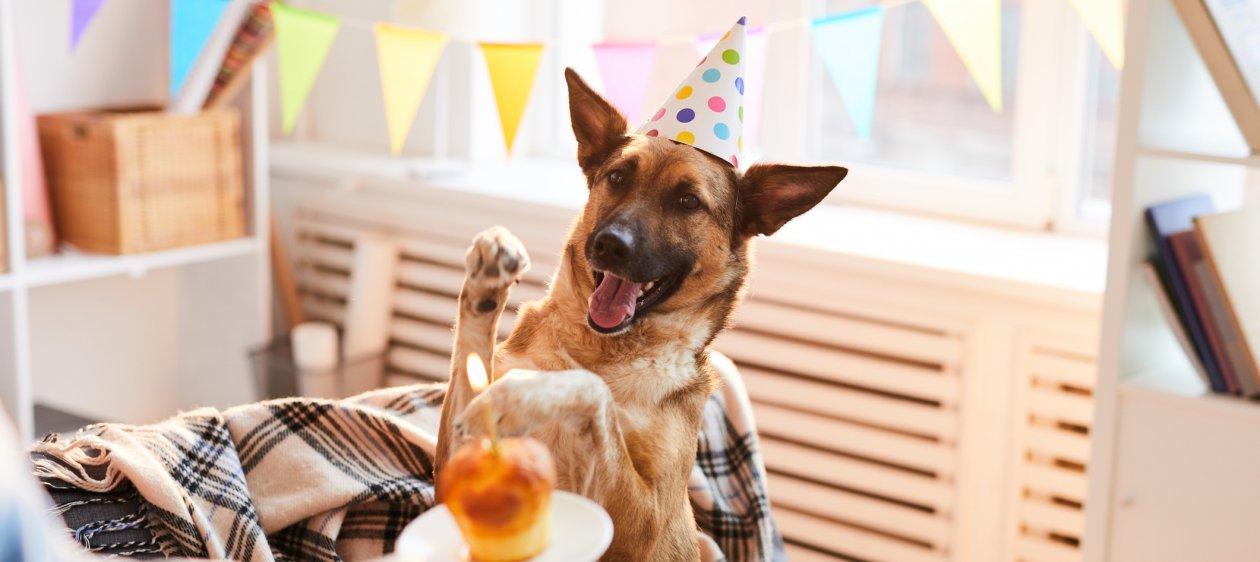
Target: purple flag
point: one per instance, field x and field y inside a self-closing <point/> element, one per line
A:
<point x="626" y="69"/>
<point x="82" y="13"/>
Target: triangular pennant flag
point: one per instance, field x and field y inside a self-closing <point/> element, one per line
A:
<point x="81" y="14"/>
<point x="1105" y="20"/>
<point x="512" y="68"/>
<point x="192" y="22"/>
<point x="303" y="39"/>
<point x="407" y="58"/>
<point x="974" y="28"/>
<point x="849" y="44"/>
<point x="626" y="69"/>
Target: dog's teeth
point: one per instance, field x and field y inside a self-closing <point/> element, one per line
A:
<point x="648" y="287"/>
<point x="640" y="293"/>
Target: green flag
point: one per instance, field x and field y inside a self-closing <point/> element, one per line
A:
<point x="303" y="38"/>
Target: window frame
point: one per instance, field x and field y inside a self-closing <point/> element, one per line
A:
<point x="1049" y="123"/>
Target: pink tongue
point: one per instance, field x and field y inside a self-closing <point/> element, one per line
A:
<point x="613" y="301"/>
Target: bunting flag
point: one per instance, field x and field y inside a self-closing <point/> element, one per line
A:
<point x="849" y="44"/>
<point x="512" y="69"/>
<point x="192" y="22"/>
<point x="81" y="14"/>
<point x="407" y="59"/>
<point x="1105" y="21"/>
<point x="626" y="69"/>
<point x="303" y="39"/>
<point x="974" y="28"/>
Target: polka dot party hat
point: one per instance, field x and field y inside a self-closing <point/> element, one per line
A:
<point x="707" y="109"/>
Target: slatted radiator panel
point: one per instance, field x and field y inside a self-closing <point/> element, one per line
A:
<point x="858" y="418"/>
<point x="434" y="228"/>
<point x="1052" y="450"/>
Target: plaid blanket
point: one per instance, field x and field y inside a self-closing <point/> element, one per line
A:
<point x="308" y="479"/>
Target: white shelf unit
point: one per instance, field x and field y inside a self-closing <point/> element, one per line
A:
<point x="123" y="338"/>
<point x="1174" y="469"/>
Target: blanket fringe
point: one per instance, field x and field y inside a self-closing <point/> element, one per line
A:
<point x="69" y="461"/>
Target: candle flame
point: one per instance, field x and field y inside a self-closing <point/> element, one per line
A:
<point x="477" y="377"/>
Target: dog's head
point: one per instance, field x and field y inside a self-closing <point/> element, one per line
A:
<point x="666" y="225"/>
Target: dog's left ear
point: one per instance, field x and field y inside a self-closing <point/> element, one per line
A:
<point x="772" y="194"/>
<point x="598" y="126"/>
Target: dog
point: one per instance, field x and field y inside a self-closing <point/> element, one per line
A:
<point x="610" y="369"/>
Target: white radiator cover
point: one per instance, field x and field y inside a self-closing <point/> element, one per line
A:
<point x="906" y="414"/>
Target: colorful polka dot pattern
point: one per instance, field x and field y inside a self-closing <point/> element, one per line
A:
<point x="707" y="109"/>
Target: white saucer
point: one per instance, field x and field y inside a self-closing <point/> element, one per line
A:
<point x="580" y="532"/>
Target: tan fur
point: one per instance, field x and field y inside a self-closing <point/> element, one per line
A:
<point x="620" y="412"/>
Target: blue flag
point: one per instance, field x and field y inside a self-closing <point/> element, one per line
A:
<point x="850" y="45"/>
<point x="192" y="22"/>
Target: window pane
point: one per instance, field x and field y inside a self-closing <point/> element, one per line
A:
<point x="1099" y="145"/>
<point x="929" y="114"/>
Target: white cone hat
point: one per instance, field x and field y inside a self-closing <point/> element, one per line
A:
<point x="707" y="109"/>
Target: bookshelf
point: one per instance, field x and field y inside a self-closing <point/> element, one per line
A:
<point x="1172" y="473"/>
<point x="132" y="338"/>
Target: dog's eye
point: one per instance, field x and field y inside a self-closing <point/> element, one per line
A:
<point x="689" y="202"/>
<point x="616" y="177"/>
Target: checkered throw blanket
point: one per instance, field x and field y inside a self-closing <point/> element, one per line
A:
<point x="308" y="479"/>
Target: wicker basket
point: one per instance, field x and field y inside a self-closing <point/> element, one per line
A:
<point x="124" y="182"/>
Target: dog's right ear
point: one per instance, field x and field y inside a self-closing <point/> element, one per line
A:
<point x="598" y="125"/>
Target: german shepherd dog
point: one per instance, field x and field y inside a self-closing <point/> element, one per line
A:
<point x="611" y="368"/>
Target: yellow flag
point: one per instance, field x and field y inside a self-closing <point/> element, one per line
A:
<point x="1105" y="20"/>
<point x="407" y="58"/>
<point x="512" y="68"/>
<point x="974" y="28"/>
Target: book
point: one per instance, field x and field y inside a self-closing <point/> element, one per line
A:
<point x="1220" y="332"/>
<point x="192" y="95"/>
<point x="1164" y="220"/>
<point x="1229" y="242"/>
<point x="1155" y="279"/>
<point x="251" y="41"/>
<point x="1225" y="33"/>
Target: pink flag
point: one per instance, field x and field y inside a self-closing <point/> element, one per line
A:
<point x="40" y="238"/>
<point x="626" y="69"/>
<point x="755" y="81"/>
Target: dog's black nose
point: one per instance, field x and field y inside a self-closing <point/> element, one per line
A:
<point x="614" y="243"/>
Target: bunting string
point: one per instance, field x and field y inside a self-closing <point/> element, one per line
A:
<point x="635" y="74"/>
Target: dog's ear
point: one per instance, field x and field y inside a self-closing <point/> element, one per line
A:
<point x="598" y="125"/>
<point x="772" y="194"/>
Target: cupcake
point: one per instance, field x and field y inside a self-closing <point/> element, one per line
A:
<point x="500" y="496"/>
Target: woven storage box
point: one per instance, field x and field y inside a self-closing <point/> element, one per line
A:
<point x="124" y="182"/>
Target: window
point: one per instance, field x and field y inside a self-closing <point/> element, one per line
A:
<point x="930" y="116"/>
<point x="1043" y="161"/>
<point x="1099" y="143"/>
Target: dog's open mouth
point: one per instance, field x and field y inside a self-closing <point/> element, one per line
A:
<point x="617" y="301"/>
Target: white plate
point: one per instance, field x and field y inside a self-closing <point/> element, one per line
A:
<point x="580" y="532"/>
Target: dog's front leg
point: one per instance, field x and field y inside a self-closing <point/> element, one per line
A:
<point x="494" y="262"/>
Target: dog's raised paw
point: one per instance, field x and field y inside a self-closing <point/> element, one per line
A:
<point x="495" y="260"/>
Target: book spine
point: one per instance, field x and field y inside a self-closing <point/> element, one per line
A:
<point x="1185" y="249"/>
<point x="1181" y="297"/>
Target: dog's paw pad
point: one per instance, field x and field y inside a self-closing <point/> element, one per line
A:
<point x="496" y="259"/>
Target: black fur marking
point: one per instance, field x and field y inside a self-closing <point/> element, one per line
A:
<point x="486" y="305"/>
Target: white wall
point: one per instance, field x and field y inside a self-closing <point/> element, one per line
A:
<point x="120" y="60"/>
